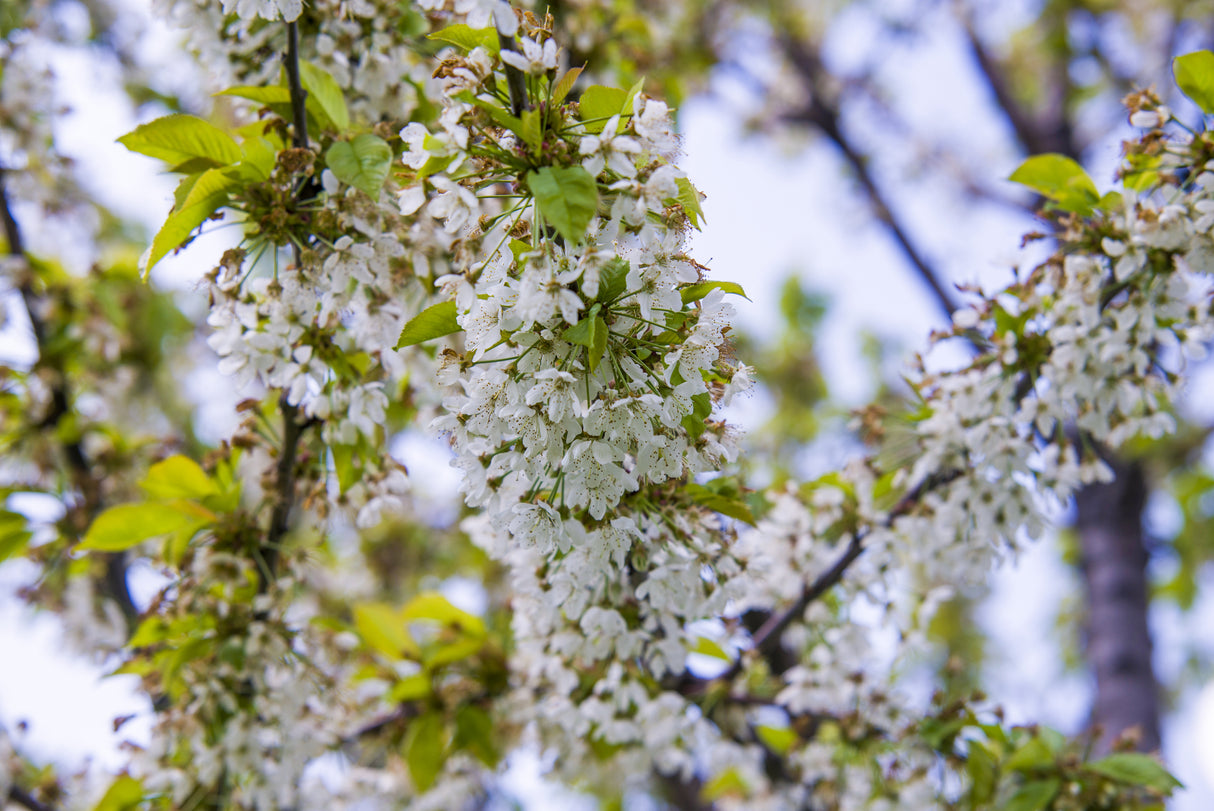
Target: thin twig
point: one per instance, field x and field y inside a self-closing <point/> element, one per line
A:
<point x="824" y="115"/>
<point x="23" y="798"/>
<point x="768" y="635"/>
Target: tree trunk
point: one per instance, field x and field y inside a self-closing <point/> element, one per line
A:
<point x="1113" y="564"/>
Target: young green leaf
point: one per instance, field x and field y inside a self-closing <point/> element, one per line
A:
<point x="432" y="322"/>
<point x="1137" y="770"/>
<point x="1194" y="74"/>
<point x="1035" y="795"/>
<point x="14" y="534"/>
<point x="212" y="190"/>
<point x="124" y="794"/>
<point x="563" y="85"/>
<point x="474" y="733"/>
<point x="777" y="739"/>
<point x="733" y="507"/>
<point x="362" y="162"/>
<point x="176" y="139"/>
<point x="425" y="748"/>
<point x="178" y="477"/>
<point x="689" y="199"/>
<point x="567" y="197"/>
<point x="695" y="292"/>
<point x="383" y="629"/>
<point x="1061" y="180"/>
<point x="129" y="525"/>
<point x="326" y="92"/>
<point x="599" y="103"/>
<point x="467" y="37"/>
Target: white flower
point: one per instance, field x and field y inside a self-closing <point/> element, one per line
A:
<point x="608" y="148"/>
<point x="535" y="59"/>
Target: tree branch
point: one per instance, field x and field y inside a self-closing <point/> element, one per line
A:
<point x="767" y="638"/>
<point x="81" y="469"/>
<point x="824" y="115"/>
<point x="515" y="81"/>
<point x="292" y="428"/>
<point x="23" y="798"/>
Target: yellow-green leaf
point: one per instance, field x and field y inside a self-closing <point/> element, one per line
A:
<point x="212" y="190"/>
<point x="564" y="84"/>
<point x="434" y="607"/>
<point x="695" y="292"/>
<point x="777" y="739"/>
<point x="124" y="794"/>
<point x="1059" y="179"/>
<point x="468" y="38"/>
<point x="432" y="322"/>
<point x="178" y="477"/>
<point x="1194" y="74"/>
<point x="179" y="138"/>
<point x="14" y="534"/>
<point x="425" y="749"/>
<point x="383" y="629"/>
<point x="324" y="90"/>
<point x="128" y="525"/>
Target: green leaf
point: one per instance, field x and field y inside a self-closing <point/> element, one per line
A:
<point x="260" y="155"/>
<point x="531" y="129"/>
<point x="410" y="688"/>
<point x="432" y="322"/>
<point x="468" y="38"/>
<point x="1034" y="754"/>
<point x="383" y="628"/>
<point x="728" y="783"/>
<point x="718" y="502"/>
<point x="269" y="96"/>
<point x="563" y="85"/>
<point x="1136" y="770"/>
<point x="591" y="332"/>
<point x="177" y="139"/>
<point x="1195" y="76"/>
<point x="983" y="770"/>
<point x="124" y="794"/>
<point x="1035" y="795"/>
<point x="128" y="525"/>
<point x="613" y="280"/>
<point x="689" y="199"/>
<point x="434" y="607"/>
<point x="362" y="162"/>
<point x="326" y="92"/>
<point x="474" y="733"/>
<point x="706" y="647"/>
<point x="693" y="423"/>
<point x="178" y="477"/>
<point x="1061" y="180"/>
<point x="598" y="104"/>
<point x="777" y="739"/>
<point x="212" y="190"/>
<point x="567" y="197"/>
<point x="14" y="536"/>
<point x="425" y="749"/>
<point x="695" y="292"/>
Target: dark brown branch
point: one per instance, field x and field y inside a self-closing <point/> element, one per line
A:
<point x="823" y="113"/>
<point x="515" y="81"/>
<point x="78" y="463"/>
<point x="299" y="108"/>
<point x="767" y="638"/>
<point x="23" y="798"/>
<point x="1054" y="134"/>
<point x="292" y="428"/>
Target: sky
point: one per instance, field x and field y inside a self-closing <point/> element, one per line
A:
<point x="770" y="211"/>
